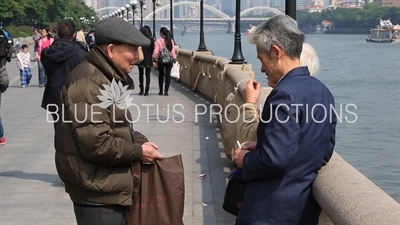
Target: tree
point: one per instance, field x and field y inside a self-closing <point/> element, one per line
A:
<point x="367" y="17"/>
<point x="44" y="12"/>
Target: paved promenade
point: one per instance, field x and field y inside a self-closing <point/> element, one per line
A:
<point x="32" y="193"/>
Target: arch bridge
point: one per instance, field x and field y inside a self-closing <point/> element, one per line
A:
<point x="219" y="15"/>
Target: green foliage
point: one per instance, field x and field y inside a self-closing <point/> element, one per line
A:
<point x="17" y="32"/>
<point x="25" y="29"/>
<point x="367" y="17"/>
<point x="42" y="13"/>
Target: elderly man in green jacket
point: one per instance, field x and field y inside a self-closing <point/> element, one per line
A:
<point x="94" y="141"/>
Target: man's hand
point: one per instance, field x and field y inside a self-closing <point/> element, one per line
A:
<point x="151" y="144"/>
<point x="238" y="157"/>
<point x="252" y="91"/>
<point x="249" y="145"/>
<point x="150" y="154"/>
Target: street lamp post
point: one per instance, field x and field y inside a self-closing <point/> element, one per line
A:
<point x="290" y="8"/>
<point x="158" y="4"/>
<point x="93" y="21"/>
<point x="122" y="12"/>
<point x="237" y="57"/>
<point x="202" y="44"/>
<point x="83" y="21"/>
<point x="133" y="6"/>
<point x="142" y="7"/>
<point x="127" y="6"/>
<point x="171" y="15"/>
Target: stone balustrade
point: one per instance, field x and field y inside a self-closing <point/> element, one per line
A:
<point x="345" y="195"/>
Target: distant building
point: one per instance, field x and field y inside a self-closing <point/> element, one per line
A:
<point x="277" y="3"/>
<point x="228" y="7"/>
<point x="319" y="2"/>
<point x="388" y="3"/>
<point x="315" y="8"/>
<point x="301" y="4"/>
<point x="95" y="4"/>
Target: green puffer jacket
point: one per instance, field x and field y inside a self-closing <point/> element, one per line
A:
<point x="94" y="145"/>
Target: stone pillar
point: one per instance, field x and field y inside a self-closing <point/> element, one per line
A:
<point x="231" y="27"/>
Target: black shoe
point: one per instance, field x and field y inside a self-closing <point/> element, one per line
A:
<point x="166" y="94"/>
<point x="141" y="93"/>
<point x="160" y="93"/>
<point x="146" y="94"/>
<point x="178" y="80"/>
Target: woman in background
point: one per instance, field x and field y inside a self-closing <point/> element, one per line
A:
<point x="145" y="65"/>
<point x="45" y="41"/>
<point x="164" y="69"/>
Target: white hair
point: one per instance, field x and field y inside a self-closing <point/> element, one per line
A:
<point x="280" y="30"/>
<point x="310" y="59"/>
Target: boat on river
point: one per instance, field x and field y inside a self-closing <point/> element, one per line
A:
<point x="385" y="32"/>
<point x="396" y="33"/>
<point x="250" y="29"/>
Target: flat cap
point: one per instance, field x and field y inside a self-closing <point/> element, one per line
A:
<point x="117" y="30"/>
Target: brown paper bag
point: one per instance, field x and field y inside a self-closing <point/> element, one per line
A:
<point x="159" y="198"/>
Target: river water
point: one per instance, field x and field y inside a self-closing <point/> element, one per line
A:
<point x="366" y="75"/>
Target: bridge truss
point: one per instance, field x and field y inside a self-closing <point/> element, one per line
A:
<point x="220" y="16"/>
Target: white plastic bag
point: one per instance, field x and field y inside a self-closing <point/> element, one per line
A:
<point x="175" y="70"/>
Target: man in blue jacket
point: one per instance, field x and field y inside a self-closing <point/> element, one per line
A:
<point x="295" y="136"/>
<point x="59" y="60"/>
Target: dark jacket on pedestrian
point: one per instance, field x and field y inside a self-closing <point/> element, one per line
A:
<point x="4" y="80"/>
<point x="95" y="150"/>
<point x="58" y="60"/>
<point x="147" y="53"/>
<point x="291" y="148"/>
<point x="4" y="45"/>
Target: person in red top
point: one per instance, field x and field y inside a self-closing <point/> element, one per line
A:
<point x="45" y="41"/>
<point x="164" y="59"/>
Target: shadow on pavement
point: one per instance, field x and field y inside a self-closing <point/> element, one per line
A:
<point x="49" y="178"/>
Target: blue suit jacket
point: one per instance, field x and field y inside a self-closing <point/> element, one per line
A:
<point x="294" y="139"/>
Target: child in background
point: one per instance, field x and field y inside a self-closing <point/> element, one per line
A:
<point x="24" y="64"/>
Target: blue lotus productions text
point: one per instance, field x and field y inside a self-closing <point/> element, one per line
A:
<point x="232" y="113"/>
<point x="92" y="113"/>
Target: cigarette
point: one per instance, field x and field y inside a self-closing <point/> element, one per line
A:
<point x="240" y="146"/>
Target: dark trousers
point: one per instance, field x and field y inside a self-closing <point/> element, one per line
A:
<point x="143" y="70"/>
<point x="100" y="215"/>
<point x="42" y="74"/>
<point x="3" y="61"/>
<point x="55" y="120"/>
<point x="164" y="71"/>
<point x="1" y="123"/>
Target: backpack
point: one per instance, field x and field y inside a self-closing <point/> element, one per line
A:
<point x="4" y="80"/>
<point x="165" y="56"/>
<point x="141" y="55"/>
<point x="89" y="39"/>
